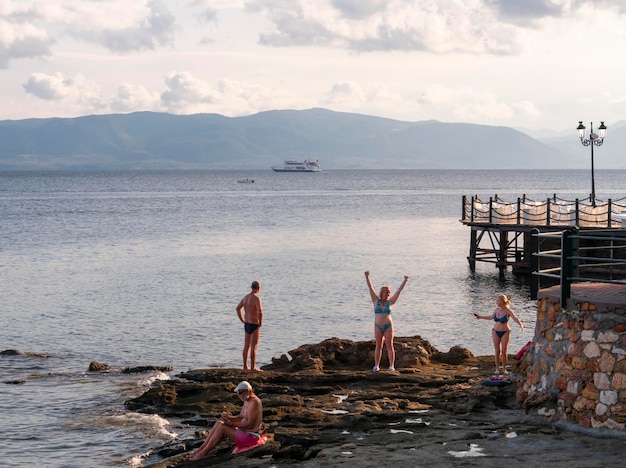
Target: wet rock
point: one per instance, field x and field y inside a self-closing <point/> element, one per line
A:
<point x="538" y="399"/>
<point x="456" y="355"/>
<point x="15" y="382"/>
<point x="321" y="391"/>
<point x="15" y="352"/>
<point x="337" y="353"/>
<point x="142" y="369"/>
<point x="323" y="406"/>
<point x="98" y="367"/>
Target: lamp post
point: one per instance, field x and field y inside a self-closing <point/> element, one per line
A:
<point x="593" y="140"/>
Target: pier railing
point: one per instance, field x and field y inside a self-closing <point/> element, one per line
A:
<point x="584" y="256"/>
<point x="553" y="211"/>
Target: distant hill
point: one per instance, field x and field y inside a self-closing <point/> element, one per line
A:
<point x="149" y="140"/>
<point x="611" y="155"/>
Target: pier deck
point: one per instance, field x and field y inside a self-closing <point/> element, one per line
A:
<point x="501" y="231"/>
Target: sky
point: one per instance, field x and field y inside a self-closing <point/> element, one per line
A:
<point x="533" y="64"/>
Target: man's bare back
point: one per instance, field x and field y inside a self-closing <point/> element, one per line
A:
<point x="252" y="318"/>
<point x="253" y="311"/>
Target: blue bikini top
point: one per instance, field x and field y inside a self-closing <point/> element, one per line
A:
<point x="379" y="310"/>
<point x="503" y="319"/>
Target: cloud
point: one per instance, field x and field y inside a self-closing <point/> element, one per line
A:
<point x="469" y="104"/>
<point x="495" y="27"/>
<point x="148" y="28"/>
<point x="440" y="26"/>
<point x="19" y="40"/>
<point x="359" y="9"/>
<point x="464" y="103"/>
<point x="29" y="28"/>
<point x="532" y="12"/>
<point x="76" y="94"/>
<point x="345" y="93"/>
<point x="48" y="87"/>
<point x="349" y="96"/>
<point x="131" y="98"/>
<point x="522" y="11"/>
<point x="209" y="8"/>
<point x="185" y="92"/>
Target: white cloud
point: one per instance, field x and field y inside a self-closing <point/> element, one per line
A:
<point x="186" y="92"/>
<point x="244" y="98"/>
<point x="21" y="40"/>
<point x="359" y="9"/>
<point x="345" y="93"/>
<point x="49" y="87"/>
<point x="440" y="26"/>
<point x="468" y="104"/>
<point x="76" y="93"/>
<point x="131" y="98"/>
<point x="122" y="29"/>
<point x="29" y="28"/>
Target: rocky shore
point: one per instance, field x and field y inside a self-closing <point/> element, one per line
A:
<point x="323" y="406"/>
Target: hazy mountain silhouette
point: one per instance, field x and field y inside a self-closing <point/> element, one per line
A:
<point x="149" y="140"/>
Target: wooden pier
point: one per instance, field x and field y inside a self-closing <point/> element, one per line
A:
<point x="501" y="231"/>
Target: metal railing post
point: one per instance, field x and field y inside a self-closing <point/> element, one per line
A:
<point x="568" y="249"/>
<point x="534" y="263"/>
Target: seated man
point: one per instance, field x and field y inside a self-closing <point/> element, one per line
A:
<point x="243" y="429"/>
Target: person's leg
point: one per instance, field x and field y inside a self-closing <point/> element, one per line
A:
<point x="496" y="348"/>
<point x="217" y="433"/>
<point x="391" y="352"/>
<point x="504" y="346"/>
<point x="246" y="348"/>
<point x="254" y="343"/>
<point x="379" y="347"/>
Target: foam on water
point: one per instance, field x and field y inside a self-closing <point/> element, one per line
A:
<point x="474" y="451"/>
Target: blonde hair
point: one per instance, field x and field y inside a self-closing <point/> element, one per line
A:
<point x="380" y="293"/>
<point x="504" y="299"/>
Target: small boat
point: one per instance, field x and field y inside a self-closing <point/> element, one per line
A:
<point x="298" y="166"/>
<point x="247" y="180"/>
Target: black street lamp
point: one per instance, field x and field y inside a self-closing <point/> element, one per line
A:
<point x="593" y="140"/>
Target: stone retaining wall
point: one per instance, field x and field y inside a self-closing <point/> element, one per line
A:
<point x="576" y="368"/>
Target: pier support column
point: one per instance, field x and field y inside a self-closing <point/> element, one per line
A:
<point x="473" y="249"/>
<point x="502" y="254"/>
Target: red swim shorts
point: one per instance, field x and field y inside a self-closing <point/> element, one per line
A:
<point x="246" y="439"/>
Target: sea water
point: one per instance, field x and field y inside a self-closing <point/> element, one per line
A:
<point x="146" y="268"/>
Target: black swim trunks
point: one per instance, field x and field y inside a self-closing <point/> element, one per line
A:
<point x="251" y="327"/>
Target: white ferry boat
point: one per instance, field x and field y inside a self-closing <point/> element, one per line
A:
<point x="298" y="166"/>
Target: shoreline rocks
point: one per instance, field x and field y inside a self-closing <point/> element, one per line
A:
<point x="322" y="390"/>
<point x="324" y="407"/>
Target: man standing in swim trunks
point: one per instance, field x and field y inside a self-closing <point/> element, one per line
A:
<point x="252" y="319"/>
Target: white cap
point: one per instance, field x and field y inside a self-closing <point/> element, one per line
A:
<point x="243" y="385"/>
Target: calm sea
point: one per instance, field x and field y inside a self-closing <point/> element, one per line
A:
<point x="145" y="268"/>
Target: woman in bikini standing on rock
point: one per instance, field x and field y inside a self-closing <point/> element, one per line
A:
<point x="501" y="332"/>
<point x="383" y="326"/>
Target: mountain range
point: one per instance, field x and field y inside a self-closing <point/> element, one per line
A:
<point x="152" y="140"/>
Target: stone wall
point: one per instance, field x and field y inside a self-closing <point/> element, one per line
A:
<point x="576" y="368"/>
